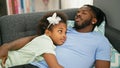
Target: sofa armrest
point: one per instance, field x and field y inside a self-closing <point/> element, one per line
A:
<point x="114" y="37"/>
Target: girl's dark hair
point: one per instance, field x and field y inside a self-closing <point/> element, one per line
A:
<point x="43" y="23"/>
<point x="99" y="14"/>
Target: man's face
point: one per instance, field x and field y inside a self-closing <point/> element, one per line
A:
<point x="83" y="17"/>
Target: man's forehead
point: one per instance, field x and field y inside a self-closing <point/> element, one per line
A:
<point x="86" y="8"/>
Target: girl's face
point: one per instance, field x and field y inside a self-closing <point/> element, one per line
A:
<point x="58" y="33"/>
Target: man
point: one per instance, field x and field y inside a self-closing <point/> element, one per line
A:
<point x="83" y="48"/>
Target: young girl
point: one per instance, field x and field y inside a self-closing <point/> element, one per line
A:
<point x="51" y="31"/>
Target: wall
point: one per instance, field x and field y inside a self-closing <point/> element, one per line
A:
<point x="27" y="6"/>
<point x="52" y="5"/>
<point x="112" y="10"/>
<point x="3" y="8"/>
<point x="74" y="3"/>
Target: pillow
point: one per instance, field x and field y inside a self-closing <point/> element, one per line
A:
<point x="100" y="29"/>
<point x="115" y="58"/>
<point x="70" y="23"/>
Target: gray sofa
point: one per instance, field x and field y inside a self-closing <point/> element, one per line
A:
<point x="13" y="27"/>
<point x="20" y="25"/>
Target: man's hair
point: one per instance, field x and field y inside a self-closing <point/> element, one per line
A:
<point x="99" y="14"/>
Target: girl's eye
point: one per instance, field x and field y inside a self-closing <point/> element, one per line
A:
<point x="60" y="31"/>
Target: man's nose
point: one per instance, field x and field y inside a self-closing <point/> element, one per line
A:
<point x="78" y="15"/>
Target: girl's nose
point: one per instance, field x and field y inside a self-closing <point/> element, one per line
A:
<point x="64" y="36"/>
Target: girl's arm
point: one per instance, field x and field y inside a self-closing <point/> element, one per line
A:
<point x="51" y="61"/>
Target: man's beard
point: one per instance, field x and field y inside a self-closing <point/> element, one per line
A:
<point x="83" y="25"/>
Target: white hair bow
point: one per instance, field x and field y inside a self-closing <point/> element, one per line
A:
<point x="53" y="20"/>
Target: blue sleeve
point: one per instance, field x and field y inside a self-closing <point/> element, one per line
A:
<point x="103" y="51"/>
<point x="40" y="64"/>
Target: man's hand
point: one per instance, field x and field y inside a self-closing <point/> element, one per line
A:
<point x="4" y="53"/>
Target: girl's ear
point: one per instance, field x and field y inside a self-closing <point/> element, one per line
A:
<point x="94" y="21"/>
<point x="47" y="32"/>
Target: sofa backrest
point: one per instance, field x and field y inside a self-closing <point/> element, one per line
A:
<point x="112" y="11"/>
<point x="16" y="26"/>
<point x="20" y="25"/>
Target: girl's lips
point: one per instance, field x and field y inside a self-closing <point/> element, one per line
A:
<point x="63" y="40"/>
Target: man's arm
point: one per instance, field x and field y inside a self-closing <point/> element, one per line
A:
<point x="19" y="43"/>
<point x="51" y="61"/>
<point x="14" y="45"/>
<point x="102" y="64"/>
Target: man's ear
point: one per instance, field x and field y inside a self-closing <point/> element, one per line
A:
<point x="94" y="21"/>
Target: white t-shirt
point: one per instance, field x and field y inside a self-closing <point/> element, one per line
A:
<point x="31" y="52"/>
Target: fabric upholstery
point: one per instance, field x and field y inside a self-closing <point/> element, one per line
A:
<point x="20" y="25"/>
<point x="15" y="26"/>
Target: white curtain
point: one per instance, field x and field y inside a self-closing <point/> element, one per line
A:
<point x="74" y="3"/>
